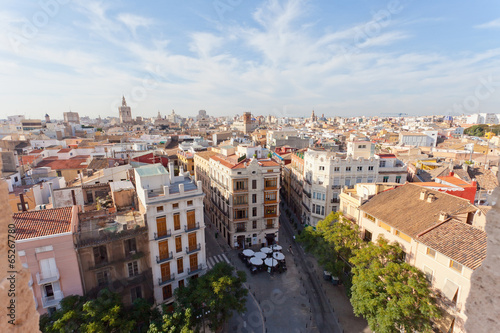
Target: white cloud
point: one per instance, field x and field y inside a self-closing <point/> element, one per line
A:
<point x="495" y="24"/>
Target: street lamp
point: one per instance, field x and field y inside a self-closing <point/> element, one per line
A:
<point x="202" y="315"/>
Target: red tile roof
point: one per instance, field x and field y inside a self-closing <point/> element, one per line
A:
<point x="386" y="155"/>
<point x="64" y="164"/>
<point x="44" y="222"/>
<point x="65" y="150"/>
<point x="27" y="159"/>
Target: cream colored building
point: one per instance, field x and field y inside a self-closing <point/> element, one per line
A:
<point x="173" y="208"/>
<point x="244" y="195"/>
<point x="435" y="230"/>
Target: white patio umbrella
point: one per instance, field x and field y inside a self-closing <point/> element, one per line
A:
<point x="248" y="253"/>
<point x="266" y="250"/>
<point x="276" y="247"/>
<point x="271" y="262"/>
<point x="256" y="261"/>
<point x="278" y="256"/>
<point x="260" y="255"/>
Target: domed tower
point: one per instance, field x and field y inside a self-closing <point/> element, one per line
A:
<point x="125" y="112"/>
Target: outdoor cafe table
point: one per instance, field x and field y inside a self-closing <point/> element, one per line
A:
<point x="276" y="247"/>
<point x="256" y="261"/>
<point x="248" y="253"/>
<point x="271" y="262"/>
<point x="266" y="250"/>
<point x="260" y="255"/>
<point x="278" y="256"/>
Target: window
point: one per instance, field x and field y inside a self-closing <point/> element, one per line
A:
<point x="270" y="183"/>
<point x="102" y="278"/>
<point x="190" y="202"/>
<point x="163" y="250"/>
<point x="254" y="198"/>
<point x="322" y="210"/>
<point x="167" y="292"/>
<point x="398" y="179"/>
<point x="347" y="169"/>
<point x="177" y="221"/>
<point x="180" y="265"/>
<point x="270" y="210"/>
<point x="385" y="179"/>
<point x="100" y="255"/>
<point x="44" y="249"/>
<point x="456" y="266"/>
<point x="130" y="246"/>
<point x="240" y="199"/>
<point x="178" y="244"/>
<point x="321" y="168"/>
<point x="59" y="173"/>
<point x="254" y="224"/>
<point x="161" y="226"/>
<point x="159" y="209"/>
<point x="431" y="252"/>
<point x="369" y="217"/>
<point x="314" y="195"/>
<point x="360" y="168"/>
<point x="254" y="211"/>
<point x="240" y="185"/>
<point x="361" y="146"/>
<point x="370" y="168"/>
<point x="16" y="179"/>
<point x="382" y="164"/>
<point x="175" y="205"/>
<point x="403" y="236"/>
<point x="270" y="196"/>
<point x="318" y="209"/>
<point x="20" y="206"/>
<point x="133" y="268"/>
<point x="385" y="226"/>
<point x="368" y="236"/>
<point x="181" y="283"/>
<point x="347" y="182"/>
<point x="240" y="213"/>
<point x="135" y="293"/>
<point x="254" y="184"/>
<point x="336" y="169"/>
<point x="369" y="180"/>
<point x="269" y="224"/>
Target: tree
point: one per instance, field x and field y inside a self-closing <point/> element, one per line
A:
<point x="476" y="130"/>
<point x="213" y="296"/>
<point x="100" y="315"/>
<point x="176" y="322"/>
<point x="392" y="295"/>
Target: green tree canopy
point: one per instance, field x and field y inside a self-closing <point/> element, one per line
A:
<point x="389" y="293"/>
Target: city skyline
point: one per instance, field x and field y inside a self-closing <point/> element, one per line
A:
<point x="281" y="58"/>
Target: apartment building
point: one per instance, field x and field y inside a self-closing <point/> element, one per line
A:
<point x="173" y="208"/>
<point x="326" y="173"/>
<point x="436" y="233"/>
<point x="244" y="198"/>
<point x="44" y="242"/>
<point x="296" y="171"/>
<point x="202" y="173"/>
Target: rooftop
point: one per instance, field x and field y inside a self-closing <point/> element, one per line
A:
<point x="41" y="223"/>
<point x="151" y="170"/>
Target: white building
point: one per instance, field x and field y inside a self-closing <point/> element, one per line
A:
<point x="173" y="207"/>
<point x="419" y="139"/>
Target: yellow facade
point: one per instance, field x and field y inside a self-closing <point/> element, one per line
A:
<point x="489" y="135"/>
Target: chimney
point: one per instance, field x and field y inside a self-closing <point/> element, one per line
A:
<point x="443" y="216"/>
<point x="171" y="171"/>
<point x="451" y="174"/>
<point x="51" y="190"/>
<point x="431" y="197"/>
<point x="423" y="194"/>
<point x="23" y="205"/>
<point x="73" y="197"/>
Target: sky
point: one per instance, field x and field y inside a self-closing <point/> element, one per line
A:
<point x="273" y="57"/>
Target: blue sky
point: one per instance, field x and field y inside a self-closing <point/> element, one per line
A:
<point x="282" y="58"/>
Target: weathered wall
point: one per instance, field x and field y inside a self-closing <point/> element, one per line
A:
<point x="483" y="304"/>
<point x="26" y="316"/>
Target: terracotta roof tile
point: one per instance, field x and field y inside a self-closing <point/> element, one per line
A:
<point x="44" y="222"/>
<point x="402" y="208"/>
<point x="461" y="242"/>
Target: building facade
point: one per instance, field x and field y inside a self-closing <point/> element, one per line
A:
<point x="173" y="208"/>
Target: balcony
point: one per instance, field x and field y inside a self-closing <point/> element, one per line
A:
<point x="166" y="279"/>
<point x="49" y="301"/>
<point x="192" y="249"/>
<point x="307" y="194"/>
<point x="192" y="227"/>
<point x="241" y="229"/>
<point x="163" y="236"/>
<point x="49" y="278"/>
<point x="335" y="200"/>
<point x="160" y="259"/>
<point x="308" y="181"/>
<point x="195" y="269"/>
<point x="270" y="214"/>
<point x="270" y="226"/>
<point x="336" y="187"/>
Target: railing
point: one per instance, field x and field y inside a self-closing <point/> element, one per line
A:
<point x="191" y="249"/>
<point x="269" y="226"/>
<point x="194" y="269"/>
<point x="308" y="181"/>
<point x="166" y="279"/>
<point x="42" y="279"/>
<point x="160" y="260"/>
<point x="191" y="227"/>
<point x="273" y="214"/>
<point x="308" y="194"/>
<point x="241" y="229"/>
<point x="335" y="200"/>
<point x="48" y="301"/>
<point x="336" y="187"/>
<point x="163" y="236"/>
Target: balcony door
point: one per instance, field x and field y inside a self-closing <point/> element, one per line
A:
<point x="192" y="241"/>
<point x="161" y="226"/>
<point x="191" y="219"/>
<point x="48" y="268"/>
<point x="163" y="249"/>
<point x="193" y="262"/>
<point x="165" y="271"/>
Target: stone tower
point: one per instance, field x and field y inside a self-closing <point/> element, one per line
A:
<point x="125" y="112"/>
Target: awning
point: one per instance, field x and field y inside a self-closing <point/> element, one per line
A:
<point x="450" y="289"/>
